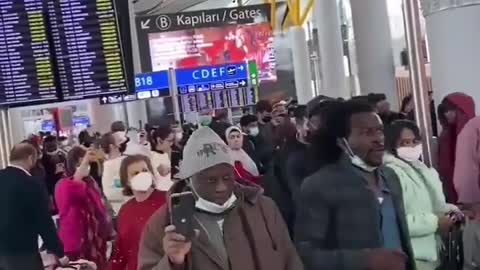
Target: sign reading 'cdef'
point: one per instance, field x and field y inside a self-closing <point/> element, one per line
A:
<point x="211" y="74"/>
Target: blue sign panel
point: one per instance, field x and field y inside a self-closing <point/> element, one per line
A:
<point x="208" y="78"/>
<point x="152" y="81"/>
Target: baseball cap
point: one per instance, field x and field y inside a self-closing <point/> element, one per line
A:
<point x="204" y="149"/>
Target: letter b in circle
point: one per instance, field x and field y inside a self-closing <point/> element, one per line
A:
<point x="164" y="22"/>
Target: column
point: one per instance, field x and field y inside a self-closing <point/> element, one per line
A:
<point x="327" y="22"/>
<point x="301" y="65"/>
<point x="373" y="42"/>
<point x="454" y="41"/>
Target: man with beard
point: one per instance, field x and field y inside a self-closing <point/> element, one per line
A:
<point x="350" y="213"/>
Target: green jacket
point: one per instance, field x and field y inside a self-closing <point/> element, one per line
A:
<point x="424" y="201"/>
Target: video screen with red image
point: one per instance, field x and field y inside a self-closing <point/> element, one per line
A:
<point x="215" y="46"/>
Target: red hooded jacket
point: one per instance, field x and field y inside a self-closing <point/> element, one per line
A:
<point x="465" y="107"/>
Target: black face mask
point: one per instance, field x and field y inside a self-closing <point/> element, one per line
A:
<point x="267" y="119"/>
<point x="123" y="147"/>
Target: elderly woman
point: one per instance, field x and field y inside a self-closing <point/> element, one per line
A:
<point x="136" y="176"/>
<point x="84" y="224"/>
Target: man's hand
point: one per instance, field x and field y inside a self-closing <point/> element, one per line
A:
<point x="175" y="245"/>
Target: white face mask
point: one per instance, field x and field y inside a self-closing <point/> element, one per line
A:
<point x="410" y="153"/>
<point x="356" y="160"/>
<point x="179" y="136"/>
<point x="254" y="131"/>
<point x="142" y="182"/>
<point x="211" y="207"/>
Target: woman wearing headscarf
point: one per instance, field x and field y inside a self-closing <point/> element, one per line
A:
<point x="85" y="225"/>
<point x="455" y="111"/>
<point x="244" y="165"/>
<point x="426" y="210"/>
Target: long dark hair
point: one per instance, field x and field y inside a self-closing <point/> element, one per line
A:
<point x="393" y="132"/>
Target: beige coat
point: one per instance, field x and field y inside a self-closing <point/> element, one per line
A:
<point x="255" y="219"/>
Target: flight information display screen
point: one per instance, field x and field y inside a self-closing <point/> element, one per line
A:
<point x="26" y="71"/>
<point x="87" y="48"/>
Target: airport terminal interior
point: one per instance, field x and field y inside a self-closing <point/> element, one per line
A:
<point x="134" y="115"/>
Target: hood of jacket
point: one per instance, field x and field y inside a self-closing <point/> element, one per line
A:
<point x="465" y="105"/>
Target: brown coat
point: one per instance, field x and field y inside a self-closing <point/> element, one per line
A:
<point x="255" y="217"/>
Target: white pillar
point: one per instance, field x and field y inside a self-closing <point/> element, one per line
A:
<point x="136" y="112"/>
<point x="373" y="42"/>
<point x="327" y="22"/>
<point x="454" y="40"/>
<point x="301" y="65"/>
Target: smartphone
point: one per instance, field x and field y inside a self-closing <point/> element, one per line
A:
<point x="182" y="208"/>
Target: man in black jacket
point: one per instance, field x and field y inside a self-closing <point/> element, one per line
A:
<point x="350" y="214"/>
<point x="24" y="214"/>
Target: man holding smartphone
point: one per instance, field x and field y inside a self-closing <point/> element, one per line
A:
<point x="235" y="227"/>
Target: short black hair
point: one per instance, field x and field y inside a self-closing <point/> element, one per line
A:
<point x="300" y="112"/>
<point x="394" y="131"/>
<point x="337" y="125"/>
<point x="161" y="132"/>
<point x="105" y="142"/>
<point x="263" y="106"/>
<point x="49" y="139"/>
<point x="374" y="98"/>
<point x="118" y="126"/>
<point x="323" y="107"/>
<point x="247" y="120"/>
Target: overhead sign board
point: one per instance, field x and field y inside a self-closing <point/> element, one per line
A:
<point x="203" y="18"/>
<point x="148" y="85"/>
<point x="211" y="78"/>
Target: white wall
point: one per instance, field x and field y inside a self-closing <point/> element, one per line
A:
<point x="454" y="41"/>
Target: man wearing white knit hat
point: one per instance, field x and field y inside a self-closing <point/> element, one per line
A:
<point x="238" y="227"/>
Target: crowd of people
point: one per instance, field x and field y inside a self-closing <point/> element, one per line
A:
<point x="332" y="184"/>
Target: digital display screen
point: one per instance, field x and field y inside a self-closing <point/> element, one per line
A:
<point x="189" y="103"/>
<point x="87" y="48"/>
<point x="236" y="97"/>
<point x="220" y="99"/>
<point x="250" y="96"/>
<point x="212" y="46"/>
<point x="204" y="101"/>
<point x="26" y="71"/>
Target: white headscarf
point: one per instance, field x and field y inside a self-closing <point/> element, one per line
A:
<point x="241" y="156"/>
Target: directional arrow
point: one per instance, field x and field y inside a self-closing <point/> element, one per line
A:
<point x="242" y="83"/>
<point x="104" y="99"/>
<point x="241" y="67"/>
<point x="145" y="24"/>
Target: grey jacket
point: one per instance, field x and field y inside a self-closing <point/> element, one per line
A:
<point x="338" y="218"/>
